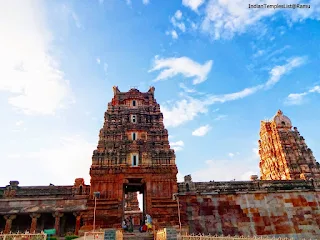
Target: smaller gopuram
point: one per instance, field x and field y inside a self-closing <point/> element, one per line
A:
<point x="132" y="209"/>
<point x="284" y="155"/>
<point x="131" y="202"/>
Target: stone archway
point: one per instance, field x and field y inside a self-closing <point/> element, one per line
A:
<point x="131" y="207"/>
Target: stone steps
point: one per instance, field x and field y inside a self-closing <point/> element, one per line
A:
<point x="137" y="235"/>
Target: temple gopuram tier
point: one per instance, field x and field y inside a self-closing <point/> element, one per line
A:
<point x="284" y="155"/>
<point x="133" y="155"/>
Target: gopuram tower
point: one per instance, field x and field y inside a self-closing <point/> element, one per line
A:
<point x="133" y="155"/>
<point x="284" y="155"/>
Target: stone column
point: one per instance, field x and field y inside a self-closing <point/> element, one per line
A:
<point x="78" y="221"/>
<point x="148" y="192"/>
<point x="57" y="216"/>
<point x="8" y="219"/>
<point x="34" y="220"/>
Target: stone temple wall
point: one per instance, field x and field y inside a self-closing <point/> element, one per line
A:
<point x="272" y="208"/>
<point x="34" y="208"/>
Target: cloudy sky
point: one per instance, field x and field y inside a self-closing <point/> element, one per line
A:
<point x="218" y="67"/>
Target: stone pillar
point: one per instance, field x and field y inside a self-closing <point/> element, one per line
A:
<point x="78" y="221"/>
<point x="34" y="220"/>
<point x="57" y="216"/>
<point x="8" y="219"/>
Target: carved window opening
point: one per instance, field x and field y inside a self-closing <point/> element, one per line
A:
<point x="134" y="103"/>
<point x="133" y="118"/>
<point x="283" y="123"/>
<point x="187" y="187"/>
<point x="135" y="160"/>
<point x="134" y="136"/>
<point x="80" y="190"/>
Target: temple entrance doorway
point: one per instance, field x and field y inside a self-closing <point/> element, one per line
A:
<point x="2" y="223"/>
<point x="134" y="201"/>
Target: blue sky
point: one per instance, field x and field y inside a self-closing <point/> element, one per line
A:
<point x="218" y="68"/>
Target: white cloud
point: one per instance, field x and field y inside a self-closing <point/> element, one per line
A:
<point x="259" y="53"/>
<point x="186" y="89"/>
<point x="295" y="98"/>
<point x="224" y="19"/>
<point x="73" y="153"/>
<point x="14" y="155"/>
<point x="178" y="143"/>
<point x="201" y="131"/>
<point x="315" y="89"/>
<point x="220" y="117"/>
<point x="173" y="66"/>
<point x="298" y="98"/>
<point x="98" y="60"/>
<point x="226" y="170"/>
<point x="177" y="146"/>
<point x="278" y="52"/>
<point x="173" y="34"/>
<point x="187" y="109"/>
<point x="19" y="123"/>
<point x="231" y="155"/>
<point x="256" y="153"/>
<point x="194" y="26"/>
<point x="193" y="4"/>
<point x="28" y="72"/>
<point x="180" y="177"/>
<point x="128" y="2"/>
<point x="178" y="15"/>
<point x="19" y="130"/>
<point x="145" y="2"/>
<point x="278" y="71"/>
<point x="179" y="25"/>
<point x="301" y="14"/>
<point x="233" y="96"/>
<point x="182" y="111"/>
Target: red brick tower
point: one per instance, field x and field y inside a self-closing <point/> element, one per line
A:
<point x="133" y="155"/>
<point x="284" y="154"/>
